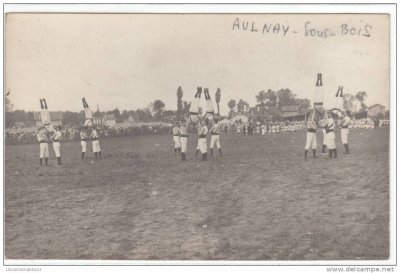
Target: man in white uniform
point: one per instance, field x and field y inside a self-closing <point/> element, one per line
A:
<point x="215" y="130"/>
<point x="56" y="138"/>
<point x="263" y="129"/>
<point x="94" y="136"/>
<point x="344" y="131"/>
<point x="43" y="139"/>
<point x="176" y="138"/>
<point x="311" y="136"/>
<point x="202" y="140"/>
<point x="195" y="107"/>
<point x="84" y="138"/>
<point x="319" y="96"/>
<point x="210" y="106"/>
<point x="323" y="120"/>
<point x="183" y="138"/>
<point x="45" y="116"/>
<point x="323" y="141"/>
<point x="339" y="98"/>
<point x="238" y="128"/>
<point x="88" y="113"/>
<point x="330" y="136"/>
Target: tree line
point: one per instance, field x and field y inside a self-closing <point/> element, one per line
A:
<point x="155" y="111"/>
<point x="271" y="100"/>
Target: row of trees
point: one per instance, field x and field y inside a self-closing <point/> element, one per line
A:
<point x="282" y="97"/>
<point x="273" y="100"/>
<point x="155" y="111"/>
<point x="355" y="102"/>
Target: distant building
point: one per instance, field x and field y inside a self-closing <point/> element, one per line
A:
<point x="243" y="109"/>
<point x="290" y="108"/>
<point x="376" y="110"/>
<point x="19" y="124"/>
<point x="169" y="116"/>
<point x="240" y="118"/>
<point x="56" y="117"/>
<point x="105" y="119"/>
<point x="132" y="118"/>
<point x="98" y="120"/>
<point x="293" y="112"/>
<point x="225" y="122"/>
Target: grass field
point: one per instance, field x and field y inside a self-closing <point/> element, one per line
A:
<point x="260" y="201"/>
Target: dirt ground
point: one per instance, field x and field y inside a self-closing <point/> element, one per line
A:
<point x="260" y="201"/>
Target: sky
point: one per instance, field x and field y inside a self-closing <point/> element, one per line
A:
<point x="130" y="60"/>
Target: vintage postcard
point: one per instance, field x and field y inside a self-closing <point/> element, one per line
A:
<point x="198" y="136"/>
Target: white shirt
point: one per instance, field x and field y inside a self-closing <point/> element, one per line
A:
<point x="175" y="131"/>
<point x="94" y="134"/>
<point x="203" y="130"/>
<point x="330" y="124"/>
<point x="215" y="129"/>
<point x="346" y="121"/>
<point x="83" y="135"/>
<point x="183" y="130"/>
<point x="57" y="136"/>
<point x="311" y="124"/>
<point x="41" y="136"/>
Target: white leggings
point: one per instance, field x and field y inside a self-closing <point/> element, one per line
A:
<point x="311" y="141"/>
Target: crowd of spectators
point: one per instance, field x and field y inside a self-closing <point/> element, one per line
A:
<point x="28" y="136"/>
<point x="368" y="123"/>
<point x="263" y="128"/>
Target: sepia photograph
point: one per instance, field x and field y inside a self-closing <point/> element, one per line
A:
<point x="197" y="136"/>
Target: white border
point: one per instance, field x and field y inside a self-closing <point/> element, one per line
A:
<point x="237" y="8"/>
<point x="202" y="8"/>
